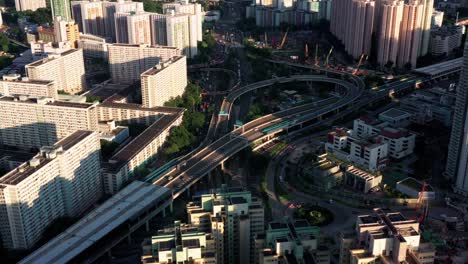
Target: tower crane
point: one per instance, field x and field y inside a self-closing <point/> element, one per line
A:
<point x="328" y="57"/>
<point x="361" y="60"/>
<point x="283" y="40"/>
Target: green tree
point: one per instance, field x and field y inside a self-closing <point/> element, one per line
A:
<point x="4" y="42"/>
<point x="152" y="6"/>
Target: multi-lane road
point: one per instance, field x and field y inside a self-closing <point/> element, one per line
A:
<point x="192" y="168"/>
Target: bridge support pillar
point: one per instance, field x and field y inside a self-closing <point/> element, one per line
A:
<point x="319" y="118"/>
<point x="188" y="192"/>
<point x="164" y="212"/>
<point x="129" y="239"/>
<point x="171" y="208"/>
<point x="147" y="225"/>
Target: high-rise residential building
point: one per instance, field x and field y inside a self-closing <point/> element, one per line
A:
<point x="356" y="25"/>
<point x="128" y="62"/>
<point x="410" y="34"/>
<point x="387" y="237"/>
<point x="457" y="158"/>
<point x="426" y="26"/>
<point x="110" y="9"/>
<point x="389" y="31"/>
<point x="158" y="29"/>
<point x="93" y="46"/>
<point x="14" y="85"/>
<point x="284" y="237"/>
<point x="399" y="29"/>
<point x="61" y="8"/>
<point x="195" y="20"/>
<point x="178" y="33"/>
<point x="33" y="5"/>
<point x="164" y="81"/>
<point x="66" y="30"/>
<point x="90" y="17"/>
<point x="445" y="39"/>
<point x="41" y="50"/>
<point x="180" y="243"/>
<point x="132" y="28"/>
<point x="63" y="180"/>
<point x="234" y="218"/>
<point x="33" y="123"/>
<point x="66" y="69"/>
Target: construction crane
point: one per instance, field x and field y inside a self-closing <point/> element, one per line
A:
<point x="422" y="204"/>
<point x="283" y="40"/>
<point x="316" y="55"/>
<point x="266" y="40"/>
<point x="306" y="52"/>
<point x="356" y="71"/>
<point x="328" y="57"/>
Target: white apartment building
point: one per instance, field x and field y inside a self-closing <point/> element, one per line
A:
<point x="370" y="154"/>
<point x="110" y="10"/>
<point x="90" y="17"/>
<point x="400" y="141"/>
<point x="133" y="28"/>
<point x="15" y="85"/>
<point x="386" y="237"/>
<point x="121" y="167"/>
<point x="33" y="5"/>
<point x="127" y="62"/>
<point x="41" y="49"/>
<point x="195" y="20"/>
<point x="62" y="180"/>
<point x="180" y="243"/>
<point x="445" y="39"/>
<point x="164" y="81"/>
<point x="93" y="46"/>
<point x="234" y="218"/>
<point x="66" y="69"/>
<point x="33" y="123"/>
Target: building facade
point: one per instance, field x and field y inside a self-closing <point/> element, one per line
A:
<point x="33" y="5"/>
<point x="62" y="180"/>
<point x="93" y="47"/>
<point x="133" y="28"/>
<point x="234" y="217"/>
<point x="457" y="159"/>
<point x="164" y="81"/>
<point x="444" y="40"/>
<point x="128" y="62"/>
<point x="61" y="8"/>
<point x="14" y="85"/>
<point x="66" y="69"/>
<point x="33" y="123"/>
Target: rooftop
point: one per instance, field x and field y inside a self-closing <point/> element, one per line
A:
<point x="141" y="141"/>
<point x="44" y="101"/>
<point x="161" y="66"/>
<point x="125" y="204"/>
<point x="442" y="67"/>
<point x="29" y="168"/>
<point x="395" y="114"/>
<point x="51" y="58"/>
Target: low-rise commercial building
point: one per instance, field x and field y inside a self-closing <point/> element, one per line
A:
<point x="400" y="141"/>
<point x="370" y="153"/>
<point x="361" y="180"/>
<point x="62" y="180"/>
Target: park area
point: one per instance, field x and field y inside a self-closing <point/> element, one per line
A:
<point x="315" y="215"/>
